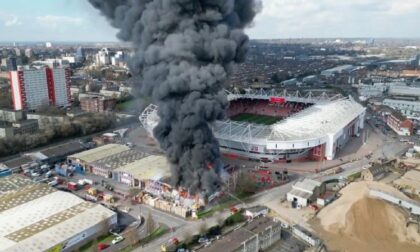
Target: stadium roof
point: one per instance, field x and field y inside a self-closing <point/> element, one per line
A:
<point x="317" y="121"/>
<point x="99" y="153"/>
<point x="309" y="127"/>
<point x="36" y="217"/>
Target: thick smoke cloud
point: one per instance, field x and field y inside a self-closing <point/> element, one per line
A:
<point x="184" y="50"/>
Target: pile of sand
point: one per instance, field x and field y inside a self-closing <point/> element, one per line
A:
<point x="356" y="222"/>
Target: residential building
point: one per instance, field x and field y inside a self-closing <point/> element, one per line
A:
<point x="25" y="127"/>
<point x="9" y="115"/>
<point x="29" y="53"/>
<point x="35" y="87"/>
<point x="46" y="120"/>
<point x="9" y="64"/>
<point x="305" y="192"/>
<point x="399" y="123"/>
<point x="103" y="57"/>
<point x="97" y="104"/>
<point x="6" y="130"/>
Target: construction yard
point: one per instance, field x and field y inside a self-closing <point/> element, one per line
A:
<point x="357" y="222"/>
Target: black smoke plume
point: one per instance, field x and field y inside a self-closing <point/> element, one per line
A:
<point x="184" y="50"/>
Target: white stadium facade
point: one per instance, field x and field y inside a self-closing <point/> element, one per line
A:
<point x="309" y="127"/>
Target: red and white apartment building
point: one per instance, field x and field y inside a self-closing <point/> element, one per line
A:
<point x="35" y="87"/>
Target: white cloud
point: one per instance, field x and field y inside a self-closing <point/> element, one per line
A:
<point x="320" y="18"/>
<point x="9" y="19"/>
<point x="59" y="20"/>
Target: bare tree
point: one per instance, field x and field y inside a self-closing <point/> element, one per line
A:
<point x="132" y="236"/>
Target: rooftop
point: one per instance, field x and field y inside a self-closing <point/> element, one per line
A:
<point x="36" y="217"/>
<point x="307" y="185"/>
<point x="63" y="149"/>
<point x="17" y="162"/>
<point x="233" y="240"/>
<point x="121" y="159"/>
<point x="149" y="168"/>
<point x="99" y="153"/>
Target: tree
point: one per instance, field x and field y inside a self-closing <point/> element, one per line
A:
<point x="150" y="223"/>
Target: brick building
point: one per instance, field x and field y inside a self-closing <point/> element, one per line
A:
<point x="97" y="104"/>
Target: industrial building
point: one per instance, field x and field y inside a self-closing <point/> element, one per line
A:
<point x="399" y="90"/>
<point x="35" y="87"/>
<point x="257" y="235"/>
<point x="35" y="217"/>
<point x="87" y="157"/>
<point x="408" y="108"/>
<point x="337" y="70"/>
<point x="374" y="172"/>
<point x="305" y="192"/>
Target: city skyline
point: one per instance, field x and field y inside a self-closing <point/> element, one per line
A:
<point x="65" y="20"/>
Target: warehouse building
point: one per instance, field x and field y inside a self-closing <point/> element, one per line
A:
<point x="305" y="192"/>
<point x="35" y="217"/>
<point x="257" y="235"/>
<point x="90" y="156"/>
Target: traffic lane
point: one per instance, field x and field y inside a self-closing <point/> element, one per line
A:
<point x="159" y="216"/>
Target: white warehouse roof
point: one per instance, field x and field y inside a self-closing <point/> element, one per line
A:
<point x="35" y="217"/>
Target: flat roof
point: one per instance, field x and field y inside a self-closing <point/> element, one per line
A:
<point x="36" y="217"/>
<point x="149" y="168"/>
<point x="120" y="159"/>
<point x="234" y="240"/>
<point x="307" y="184"/>
<point x="301" y="194"/>
<point x="17" y="162"/>
<point x="96" y="154"/>
<point x="63" y="149"/>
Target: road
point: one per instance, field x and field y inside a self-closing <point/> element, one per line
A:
<point x="71" y="139"/>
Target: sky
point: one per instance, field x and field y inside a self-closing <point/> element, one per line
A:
<point x="76" y="20"/>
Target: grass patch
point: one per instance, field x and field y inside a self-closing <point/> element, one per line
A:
<point x="90" y="246"/>
<point x="257" y="119"/>
<point x="158" y="232"/>
<point x="354" y="176"/>
<point x="234" y="218"/>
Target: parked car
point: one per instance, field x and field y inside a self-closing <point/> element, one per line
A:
<point x="203" y="240"/>
<point x="35" y="174"/>
<point x="117" y="239"/>
<point x="102" y="246"/>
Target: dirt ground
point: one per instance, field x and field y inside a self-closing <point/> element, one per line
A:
<point x="356" y="222"/>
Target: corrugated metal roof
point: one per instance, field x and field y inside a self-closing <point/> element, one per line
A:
<point x="99" y="153"/>
<point x="151" y="167"/>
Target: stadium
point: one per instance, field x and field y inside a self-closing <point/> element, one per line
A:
<point x="282" y="127"/>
